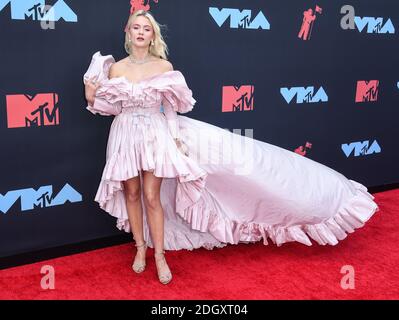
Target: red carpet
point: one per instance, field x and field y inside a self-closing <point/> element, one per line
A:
<point x="252" y="271"/>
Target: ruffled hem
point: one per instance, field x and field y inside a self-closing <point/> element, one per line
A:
<point x="176" y="238"/>
<point x="121" y="167"/>
<point x="192" y="209"/>
<point x="351" y="216"/>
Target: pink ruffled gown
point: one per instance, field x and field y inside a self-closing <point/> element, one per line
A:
<point x="229" y="188"/>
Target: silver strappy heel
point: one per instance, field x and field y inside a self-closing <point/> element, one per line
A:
<point x="165" y="277"/>
<point x="139" y="267"/>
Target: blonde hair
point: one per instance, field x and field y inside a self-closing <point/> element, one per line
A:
<point x="159" y="49"/>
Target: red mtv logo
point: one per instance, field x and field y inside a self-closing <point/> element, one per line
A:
<point x="32" y="111"/>
<point x="367" y="91"/>
<point x="239" y="98"/>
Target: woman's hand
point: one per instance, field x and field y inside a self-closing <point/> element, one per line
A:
<point x="91" y="87"/>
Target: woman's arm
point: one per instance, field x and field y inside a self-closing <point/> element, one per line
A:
<point x="173" y="124"/>
<point x="171" y="118"/>
<point x="90" y="91"/>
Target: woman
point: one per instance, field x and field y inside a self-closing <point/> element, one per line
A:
<point x="202" y="186"/>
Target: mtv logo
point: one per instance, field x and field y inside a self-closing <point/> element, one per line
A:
<point x="367" y="91"/>
<point x="239" y="19"/>
<point x="36" y="10"/>
<point x="237" y="98"/>
<point x="32" y="111"/>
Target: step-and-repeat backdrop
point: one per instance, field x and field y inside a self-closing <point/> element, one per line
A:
<point x="320" y="78"/>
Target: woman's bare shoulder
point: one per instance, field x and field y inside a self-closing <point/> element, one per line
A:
<point x="166" y="65"/>
<point x="117" y="68"/>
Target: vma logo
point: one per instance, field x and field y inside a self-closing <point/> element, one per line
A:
<point x="37" y="10"/>
<point x="42" y="198"/>
<point x="32" y="111"/>
<point x="374" y="25"/>
<point x="367" y="91"/>
<point x="238" y="98"/>
<point x="304" y="95"/>
<point x="361" y="148"/>
<point x="239" y="19"/>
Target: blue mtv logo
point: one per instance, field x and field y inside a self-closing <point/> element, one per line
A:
<point x="42" y="198"/>
<point x="239" y="19"/>
<point x="361" y="148"/>
<point x="36" y="10"/>
<point x="374" y="25"/>
<point x="304" y="95"/>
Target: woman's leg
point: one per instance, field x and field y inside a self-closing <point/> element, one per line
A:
<point x="152" y="201"/>
<point x="155" y="218"/>
<point x="135" y="213"/>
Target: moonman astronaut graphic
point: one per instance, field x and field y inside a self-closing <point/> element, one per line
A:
<point x="308" y="18"/>
<point x="139" y="5"/>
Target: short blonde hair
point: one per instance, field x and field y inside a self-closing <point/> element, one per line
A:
<point x="159" y="49"/>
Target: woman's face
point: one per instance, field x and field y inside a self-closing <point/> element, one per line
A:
<point x="141" y="32"/>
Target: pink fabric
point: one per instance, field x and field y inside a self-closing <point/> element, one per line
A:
<point x="230" y="188"/>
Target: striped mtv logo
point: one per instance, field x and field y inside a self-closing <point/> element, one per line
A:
<point x="32" y="111"/>
<point x="367" y="91"/>
<point x="238" y="98"/>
